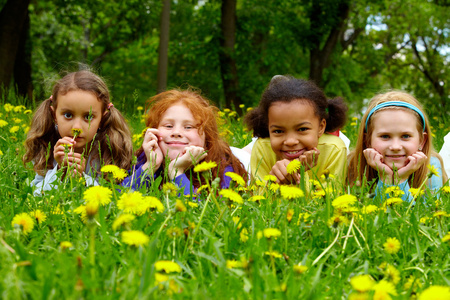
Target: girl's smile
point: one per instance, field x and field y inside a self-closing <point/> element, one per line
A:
<point x="294" y="128"/>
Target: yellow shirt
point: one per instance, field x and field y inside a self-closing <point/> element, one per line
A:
<point x="332" y="157"/>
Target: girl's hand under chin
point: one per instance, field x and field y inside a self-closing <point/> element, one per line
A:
<point x="152" y="150"/>
<point x="308" y="159"/>
<point x="415" y="161"/>
<point x="385" y="172"/>
<point x="191" y="156"/>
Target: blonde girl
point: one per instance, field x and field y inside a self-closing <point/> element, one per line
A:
<point x="394" y="145"/>
<point x="77" y="129"/>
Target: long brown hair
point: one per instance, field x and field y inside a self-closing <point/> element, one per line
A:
<point x="205" y="113"/>
<point x="358" y="167"/>
<point x="112" y="143"/>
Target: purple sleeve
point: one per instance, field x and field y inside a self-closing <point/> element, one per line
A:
<point x="183" y="182"/>
<point x="225" y="182"/>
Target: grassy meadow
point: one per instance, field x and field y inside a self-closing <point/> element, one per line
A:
<point x="253" y="241"/>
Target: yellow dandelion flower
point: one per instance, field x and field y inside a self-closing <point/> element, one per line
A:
<point x="416" y="192"/>
<point x="435" y="292"/>
<point x="369" y="209"/>
<point x="76" y="132"/>
<point x="391" y="274"/>
<point x="293" y="166"/>
<point x="412" y="283"/>
<point x="236" y="221"/>
<point x="154" y="203"/>
<point x="244" y="235"/>
<point x="24" y="221"/>
<point x="1" y="152"/>
<point x="98" y="194"/>
<point x="260" y="183"/>
<point x="300" y="269"/>
<point x="358" y="296"/>
<point x="205" y="166"/>
<point x="384" y="287"/>
<point x="291" y="192"/>
<point x="259" y="235"/>
<point x="167" y="266"/>
<point x="439" y="214"/>
<point x="179" y="206"/>
<point x="394" y="191"/>
<point x="192" y="204"/>
<point x="446" y="238"/>
<point x="362" y="283"/>
<point x="392" y="245"/>
<point x="139" y="108"/>
<point x="122" y="220"/>
<point x="271" y="178"/>
<point x="289" y="215"/>
<point x="303" y="217"/>
<point x="135" y="238"/>
<point x="393" y="201"/>
<point x="39" y="216"/>
<point x="231" y="195"/>
<point x="3" y="123"/>
<point x="170" y="189"/>
<point x="274" y="187"/>
<point x="161" y="277"/>
<point x="231" y="264"/>
<point x="174" y="232"/>
<point x="446" y="189"/>
<point x="432" y="171"/>
<point x="14" y="129"/>
<point x="28" y="111"/>
<point x="131" y="202"/>
<point x="236" y="178"/>
<point x="424" y="220"/>
<point x="273" y="254"/>
<point x="318" y="194"/>
<point x="271" y="233"/>
<point x="65" y="245"/>
<point x="116" y="172"/>
<point x="256" y="198"/>
<point x="337" y="220"/>
<point x="344" y="200"/>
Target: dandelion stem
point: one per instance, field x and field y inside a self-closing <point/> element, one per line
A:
<point x="348" y="233"/>
<point x="218" y="220"/>
<point x="327" y="249"/>
<point x="200" y="220"/>
<point x="416" y="195"/>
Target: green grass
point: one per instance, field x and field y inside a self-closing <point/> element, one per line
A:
<point x="203" y="239"/>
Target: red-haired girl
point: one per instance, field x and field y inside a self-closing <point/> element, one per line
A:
<point x="182" y="131"/>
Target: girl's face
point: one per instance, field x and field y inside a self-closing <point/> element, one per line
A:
<point x="178" y="129"/>
<point x="395" y="136"/>
<point x="294" y="128"/>
<point x="78" y="110"/>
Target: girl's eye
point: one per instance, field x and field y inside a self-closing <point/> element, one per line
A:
<point x="168" y="126"/>
<point x="384" y="136"/>
<point x="88" y="117"/>
<point x="188" y="127"/>
<point x="406" y="136"/>
<point x="67" y="115"/>
<point x="277" y="131"/>
<point x="303" y="128"/>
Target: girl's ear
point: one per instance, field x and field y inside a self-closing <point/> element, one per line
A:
<point x="424" y="141"/>
<point x="322" y="126"/>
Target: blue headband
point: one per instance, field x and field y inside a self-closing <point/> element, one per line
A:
<point x="395" y="103"/>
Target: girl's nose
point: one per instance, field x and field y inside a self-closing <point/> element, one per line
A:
<point x="291" y="141"/>
<point x="396" y="145"/>
<point x="176" y="132"/>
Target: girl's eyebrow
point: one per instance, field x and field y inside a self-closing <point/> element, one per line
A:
<point x="296" y="125"/>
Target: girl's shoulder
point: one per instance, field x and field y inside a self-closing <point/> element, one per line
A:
<point x="331" y="140"/>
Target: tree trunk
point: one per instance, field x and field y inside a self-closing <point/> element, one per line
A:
<point x="163" y="50"/>
<point x="320" y="59"/>
<point x="22" y="65"/>
<point x="227" y="61"/>
<point x="12" y="20"/>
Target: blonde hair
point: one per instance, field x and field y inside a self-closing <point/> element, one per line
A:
<point x="113" y="139"/>
<point x="358" y="167"/>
